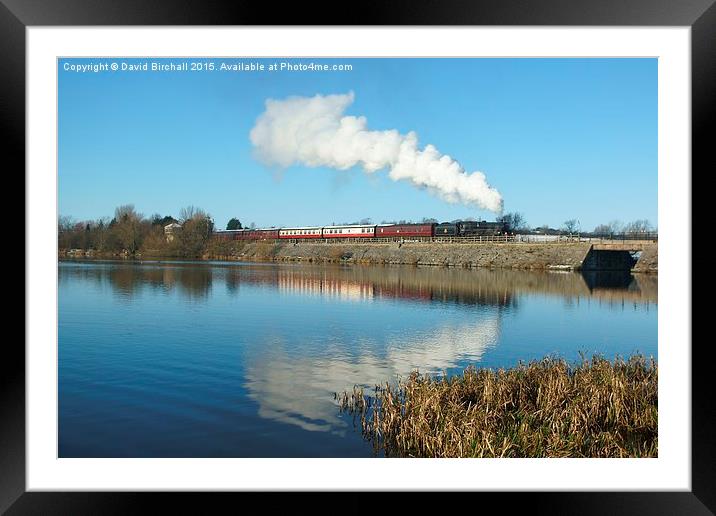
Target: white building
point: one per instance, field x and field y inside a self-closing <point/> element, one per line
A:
<point x="171" y="229"/>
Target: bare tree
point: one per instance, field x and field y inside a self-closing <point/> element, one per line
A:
<point x="101" y="232"/>
<point x="615" y="226"/>
<point x="65" y="223"/>
<point x="571" y="225"/>
<point x="189" y="212"/>
<point x="195" y="233"/>
<point x="516" y="221"/>
<point x="519" y="221"/>
<point x="124" y="211"/>
<point x="127" y="227"/>
<point x="638" y="226"/>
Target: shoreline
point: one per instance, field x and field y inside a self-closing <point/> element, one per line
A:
<point x="515" y="256"/>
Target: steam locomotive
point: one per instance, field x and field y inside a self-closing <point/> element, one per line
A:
<point x="464" y="228"/>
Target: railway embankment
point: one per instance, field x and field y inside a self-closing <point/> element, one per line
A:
<point x="561" y="256"/>
<point x="497" y="255"/>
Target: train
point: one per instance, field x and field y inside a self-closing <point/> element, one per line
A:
<point x="460" y="228"/>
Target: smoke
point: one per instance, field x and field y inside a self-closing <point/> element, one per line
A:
<point x="314" y="132"/>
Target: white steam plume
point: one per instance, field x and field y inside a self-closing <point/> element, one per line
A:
<point x="313" y="131"/>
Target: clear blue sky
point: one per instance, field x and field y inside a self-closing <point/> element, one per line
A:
<point x="559" y="138"/>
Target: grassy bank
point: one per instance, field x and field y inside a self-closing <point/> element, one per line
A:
<point x="598" y="408"/>
<point x="562" y="256"/>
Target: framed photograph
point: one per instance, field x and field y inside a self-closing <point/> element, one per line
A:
<point x="417" y="252"/>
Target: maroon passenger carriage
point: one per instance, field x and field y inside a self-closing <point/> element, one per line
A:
<point x="404" y="230"/>
<point x="247" y="234"/>
<point x="261" y="234"/>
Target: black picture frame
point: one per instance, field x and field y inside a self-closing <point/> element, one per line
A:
<point x="17" y="15"/>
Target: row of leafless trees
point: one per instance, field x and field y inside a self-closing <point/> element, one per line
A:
<point x="616" y="226"/>
<point x="518" y="223"/>
<point x="129" y="231"/>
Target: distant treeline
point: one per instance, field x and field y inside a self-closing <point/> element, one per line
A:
<point x="518" y="223"/>
<point x="188" y="236"/>
<point x="129" y="232"/>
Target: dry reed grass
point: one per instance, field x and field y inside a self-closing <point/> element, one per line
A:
<point x="547" y="408"/>
<point x="338" y="253"/>
<point x="266" y="250"/>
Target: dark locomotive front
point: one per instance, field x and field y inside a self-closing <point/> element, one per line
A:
<point x="446" y="229"/>
<point x="469" y="228"/>
<point x="481" y="228"/>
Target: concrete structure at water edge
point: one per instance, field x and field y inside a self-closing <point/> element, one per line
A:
<point x="636" y="255"/>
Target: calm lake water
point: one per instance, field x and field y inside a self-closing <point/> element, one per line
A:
<point x="242" y="360"/>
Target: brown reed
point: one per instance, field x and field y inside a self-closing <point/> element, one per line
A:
<point x="547" y="408"/>
<point x="266" y="250"/>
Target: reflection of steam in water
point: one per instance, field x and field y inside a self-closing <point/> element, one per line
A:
<point x="297" y="389"/>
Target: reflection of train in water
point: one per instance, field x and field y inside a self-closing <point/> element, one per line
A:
<point x="446" y="229"/>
